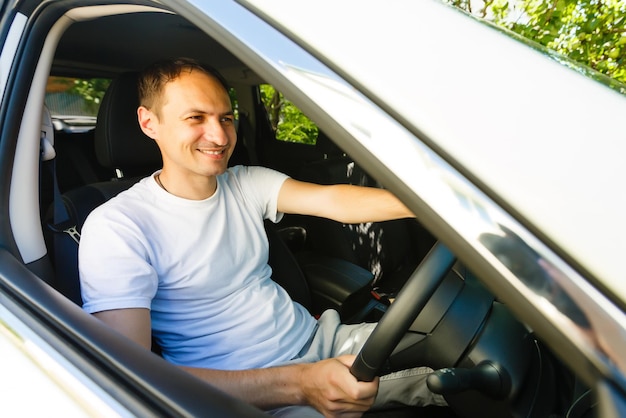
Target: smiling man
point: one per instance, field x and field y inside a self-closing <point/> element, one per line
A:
<point x="192" y="122"/>
<point x="182" y="256"/>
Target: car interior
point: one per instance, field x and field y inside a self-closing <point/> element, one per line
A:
<point x="356" y="269"/>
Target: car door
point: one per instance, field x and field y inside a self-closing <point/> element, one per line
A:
<point x="53" y="356"/>
<point x="432" y="121"/>
<point x="21" y="335"/>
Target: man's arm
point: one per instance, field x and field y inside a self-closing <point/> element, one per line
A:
<point x="133" y="323"/>
<point x="341" y="202"/>
<point x="327" y="385"/>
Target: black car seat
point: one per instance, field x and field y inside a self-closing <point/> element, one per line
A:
<point x="121" y="148"/>
<point x="119" y="143"/>
<point x="130" y="155"/>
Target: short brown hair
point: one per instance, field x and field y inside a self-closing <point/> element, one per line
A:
<point x="153" y="79"/>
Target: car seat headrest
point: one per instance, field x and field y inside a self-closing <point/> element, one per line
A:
<point x="119" y="141"/>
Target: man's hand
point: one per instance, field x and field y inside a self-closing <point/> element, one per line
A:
<point x="327" y="386"/>
<point x="330" y="388"/>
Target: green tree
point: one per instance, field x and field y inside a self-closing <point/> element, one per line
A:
<point x="287" y="120"/>
<point x="588" y="32"/>
<point x="91" y="90"/>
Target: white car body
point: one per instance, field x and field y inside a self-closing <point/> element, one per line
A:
<point x="477" y="133"/>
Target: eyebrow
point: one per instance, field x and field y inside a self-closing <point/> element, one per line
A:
<point x="195" y="110"/>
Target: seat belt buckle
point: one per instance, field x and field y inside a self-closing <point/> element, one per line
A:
<point x="68" y="228"/>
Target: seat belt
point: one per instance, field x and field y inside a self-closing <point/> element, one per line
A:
<point x="62" y="224"/>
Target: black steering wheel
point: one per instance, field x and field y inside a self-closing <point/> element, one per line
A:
<point x="396" y="321"/>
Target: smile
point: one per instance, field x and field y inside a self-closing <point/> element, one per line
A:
<point x="212" y="152"/>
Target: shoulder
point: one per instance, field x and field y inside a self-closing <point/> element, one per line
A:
<point x="254" y="174"/>
<point x="135" y="200"/>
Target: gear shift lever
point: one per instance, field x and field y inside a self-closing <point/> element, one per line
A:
<point x="491" y="379"/>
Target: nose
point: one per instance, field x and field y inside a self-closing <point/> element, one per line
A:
<point x="218" y="133"/>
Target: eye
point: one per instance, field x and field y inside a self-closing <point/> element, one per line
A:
<point x="228" y="119"/>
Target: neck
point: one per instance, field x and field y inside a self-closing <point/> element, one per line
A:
<point x="199" y="188"/>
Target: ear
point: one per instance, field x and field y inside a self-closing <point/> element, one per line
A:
<point x="147" y="121"/>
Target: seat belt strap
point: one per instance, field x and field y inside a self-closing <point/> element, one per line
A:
<point x="62" y="221"/>
<point x="65" y="253"/>
<point x="65" y="250"/>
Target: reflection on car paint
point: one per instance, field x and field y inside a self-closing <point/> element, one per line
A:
<point x="36" y="368"/>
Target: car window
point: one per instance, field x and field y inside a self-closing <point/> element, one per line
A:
<point x="74" y="102"/>
<point x="75" y="96"/>
<point x="288" y="122"/>
<point x="9" y="48"/>
<point x="589" y="33"/>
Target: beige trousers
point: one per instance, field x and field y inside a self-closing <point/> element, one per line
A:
<point x="333" y="339"/>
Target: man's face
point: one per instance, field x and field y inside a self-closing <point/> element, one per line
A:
<point x="195" y="129"/>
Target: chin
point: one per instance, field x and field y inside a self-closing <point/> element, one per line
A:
<point x="215" y="171"/>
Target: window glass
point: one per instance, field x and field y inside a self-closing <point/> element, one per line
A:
<point x="74" y="102"/>
<point x="591" y="33"/>
<point x="235" y="103"/>
<point x="288" y="122"/>
<point x="67" y="96"/>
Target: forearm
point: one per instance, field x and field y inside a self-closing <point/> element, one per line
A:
<point x="341" y="202"/>
<point x="265" y="388"/>
<point x="327" y="385"/>
<point x="354" y="204"/>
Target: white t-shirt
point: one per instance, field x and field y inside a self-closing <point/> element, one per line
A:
<point x="200" y="267"/>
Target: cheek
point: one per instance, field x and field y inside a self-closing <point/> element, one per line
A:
<point x="183" y="136"/>
<point x="232" y="133"/>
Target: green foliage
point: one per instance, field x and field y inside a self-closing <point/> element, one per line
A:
<point x="588" y="32"/>
<point x="287" y="120"/>
<point x="91" y="90"/>
<point x="234" y="102"/>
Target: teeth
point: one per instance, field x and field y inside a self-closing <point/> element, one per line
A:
<point x="211" y="152"/>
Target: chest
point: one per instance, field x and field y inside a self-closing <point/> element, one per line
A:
<point x="221" y="248"/>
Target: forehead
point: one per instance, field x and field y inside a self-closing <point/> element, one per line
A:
<point x="193" y="86"/>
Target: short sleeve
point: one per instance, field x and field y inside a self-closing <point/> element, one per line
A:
<point x="114" y="267"/>
<point x="263" y="185"/>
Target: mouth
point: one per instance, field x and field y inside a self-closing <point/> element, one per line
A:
<point x="212" y="152"/>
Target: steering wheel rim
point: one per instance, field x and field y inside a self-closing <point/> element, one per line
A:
<point x="396" y="321"/>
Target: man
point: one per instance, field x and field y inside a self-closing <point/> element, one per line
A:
<point x="182" y="256"/>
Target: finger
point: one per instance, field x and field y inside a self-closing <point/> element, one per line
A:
<point x="345" y="409"/>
